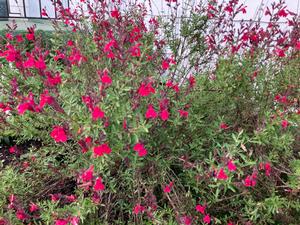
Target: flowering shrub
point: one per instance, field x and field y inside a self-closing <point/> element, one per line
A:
<point x="100" y="125"/>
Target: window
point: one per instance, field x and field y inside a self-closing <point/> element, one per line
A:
<point x="3" y="8"/>
<point x="29" y="8"/>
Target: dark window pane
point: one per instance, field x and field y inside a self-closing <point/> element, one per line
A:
<point x="3" y="8"/>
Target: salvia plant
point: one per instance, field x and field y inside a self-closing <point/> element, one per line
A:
<point x="117" y="117"/>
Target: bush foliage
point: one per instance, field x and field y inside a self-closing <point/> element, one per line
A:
<point x="115" y="119"/>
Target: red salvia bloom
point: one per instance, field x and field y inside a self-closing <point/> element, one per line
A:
<point x="267" y="169"/>
<point x="165" y="64"/>
<point x="105" y="78"/>
<point x="33" y="207"/>
<point x="201" y="209"/>
<point x="135" y="50"/>
<point x="40" y="64"/>
<point x="61" y="222"/>
<point x="221" y="175"/>
<point x="45" y="98"/>
<point x="88" y="174"/>
<point x="223" y="126"/>
<point x="53" y="80"/>
<point x="146" y="89"/>
<point x="101" y="150"/>
<point x="168" y="187"/>
<point x="183" y="113"/>
<point x="231" y="167"/>
<point x="250" y="181"/>
<point x="97" y="113"/>
<point x="58" y="134"/>
<point x="151" y="113"/>
<point x="192" y="81"/>
<point x="186" y="220"/>
<point x="19" y="38"/>
<point x="206" y="219"/>
<point x="280" y="52"/>
<point x="115" y="13"/>
<point x="138" y="209"/>
<point x="30" y="36"/>
<point x="282" y="13"/>
<point x="140" y="149"/>
<point x="23" y="107"/>
<point x="99" y="186"/>
<point x="164" y="115"/>
<point x="284" y="124"/>
<point x="21" y="215"/>
<point x="12" y="149"/>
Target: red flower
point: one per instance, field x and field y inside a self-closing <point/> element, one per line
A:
<point x="164" y="115"/>
<point x="280" y="52"/>
<point x="105" y="78"/>
<point x="53" y="81"/>
<point x="200" y="209"/>
<point x="87" y="100"/>
<point x="267" y="169"/>
<point x="186" y="220"/>
<point x="231" y="166"/>
<point x="146" y="89"/>
<point x="88" y="174"/>
<point x="12" y="149"/>
<point x="74" y="220"/>
<point x="108" y="48"/>
<point x="30" y="36"/>
<point x="23" y="107"/>
<point x="55" y="197"/>
<point x="19" y="38"/>
<point x="70" y="198"/>
<point x="183" y="113"/>
<point x="297" y="45"/>
<point x="45" y="98"/>
<point x="222" y="175"/>
<point x="223" y="126"/>
<point x="33" y="207"/>
<point x="58" y="134"/>
<point x="44" y="12"/>
<point x="150" y="112"/>
<point x="135" y="50"/>
<point x="165" y="64"/>
<point x="29" y="63"/>
<point x="61" y="222"/>
<point x="97" y="113"/>
<point x="228" y="8"/>
<point x="138" y="209"/>
<point x="168" y="187"/>
<point x="250" y="181"/>
<point x="124" y="124"/>
<point x="99" y="186"/>
<point x="21" y="215"/>
<point x="140" y="149"/>
<point x="284" y="124"/>
<point x="70" y="43"/>
<point x="192" y="81"/>
<point x="282" y="13"/>
<point x="40" y="64"/>
<point x="115" y="13"/>
<point x="206" y="219"/>
<point x="101" y="150"/>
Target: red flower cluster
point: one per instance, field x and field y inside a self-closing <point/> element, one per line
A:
<point x="140" y="149"/>
<point x="102" y="150"/>
<point x="58" y="134"/>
